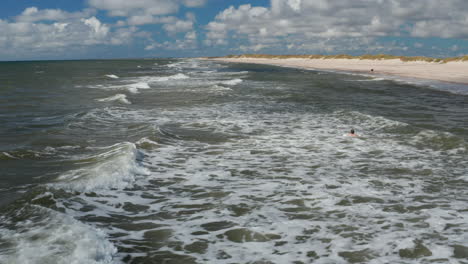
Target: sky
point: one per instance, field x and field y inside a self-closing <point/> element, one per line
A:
<point x="103" y="29"/>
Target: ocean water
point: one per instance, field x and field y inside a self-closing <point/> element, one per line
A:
<point x="195" y="161"/>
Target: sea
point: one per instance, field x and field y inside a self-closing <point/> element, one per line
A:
<point x="201" y="161"/>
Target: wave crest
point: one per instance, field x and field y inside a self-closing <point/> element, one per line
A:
<point x="115" y="167"/>
<point x="122" y="98"/>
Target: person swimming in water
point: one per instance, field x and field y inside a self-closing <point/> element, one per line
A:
<point x="351" y="133"/>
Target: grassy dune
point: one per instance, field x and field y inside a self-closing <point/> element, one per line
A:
<point x="345" y="56"/>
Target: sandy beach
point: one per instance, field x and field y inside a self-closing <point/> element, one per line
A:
<point x="455" y="72"/>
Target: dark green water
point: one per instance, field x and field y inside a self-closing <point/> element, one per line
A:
<point x="190" y="161"/>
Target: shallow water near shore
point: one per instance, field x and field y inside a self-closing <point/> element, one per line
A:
<point x="197" y="161"/>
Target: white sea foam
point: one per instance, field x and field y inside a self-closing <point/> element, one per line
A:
<point x="55" y="238"/>
<point x="369" y="80"/>
<point x="122" y="98"/>
<point x="113" y="167"/>
<point x="139" y="85"/>
<point x="112" y="76"/>
<point x="178" y="76"/>
<point x="175" y="65"/>
<point x="132" y="87"/>
<point x="69" y="147"/>
<point x="232" y="82"/>
<point x="220" y="88"/>
<point x="305" y="189"/>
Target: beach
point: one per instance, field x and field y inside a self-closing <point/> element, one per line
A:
<point x="455" y="72"/>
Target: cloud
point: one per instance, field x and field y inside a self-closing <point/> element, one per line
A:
<point x="304" y="22"/>
<point x="126" y="35"/>
<point x="194" y="3"/>
<point x="179" y="26"/>
<point x="23" y="35"/>
<point x="136" y="7"/>
<point x="36" y="32"/>
<point x="98" y="30"/>
<point x="189" y="42"/>
<point x="142" y="12"/>
<point x="145" y="8"/>
<point x="33" y="14"/>
<point x="48" y="31"/>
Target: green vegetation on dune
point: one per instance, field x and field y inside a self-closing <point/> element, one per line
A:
<point x="345" y="56"/>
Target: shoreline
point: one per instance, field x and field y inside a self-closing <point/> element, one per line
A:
<point x="451" y="72"/>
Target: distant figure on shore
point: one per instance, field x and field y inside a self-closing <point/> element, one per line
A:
<point x="372" y="70"/>
<point x="352" y="134"/>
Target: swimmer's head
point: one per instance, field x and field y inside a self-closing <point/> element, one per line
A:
<point x="352" y="131"/>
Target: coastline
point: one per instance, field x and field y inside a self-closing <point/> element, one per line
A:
<point x="452" y="72"/>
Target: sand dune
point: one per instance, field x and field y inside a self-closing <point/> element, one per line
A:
<point x="454" y="71"/>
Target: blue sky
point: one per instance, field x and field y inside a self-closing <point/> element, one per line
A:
<point x="83" y="29"/>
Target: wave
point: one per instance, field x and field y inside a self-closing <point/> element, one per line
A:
<point x="52" y="237"/>
<point x="112" y="76"/>
<point x="220" y="88"/>
<point x="175" y="65"/>
<point x="135" y="84"/>
<point x="6" y="156"/>
<point x="178" y="76"/>
<point x="232" y="82"/>
<point x="133" y="88"/>
<point x="439" y="141"/>
<point x="122" y="98"/>
<point x="369" y="80"/>
<point x="30" y="154"/>
<point x="369" y="122"/>
<point x="234" y="73"/>
<point x="115" y="167"/>
<point x="147" y="144"/>
<point x="143" y="82"/>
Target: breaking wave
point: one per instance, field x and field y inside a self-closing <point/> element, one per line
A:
<point x="113" y="167"/>
<point x="122" y="98"/>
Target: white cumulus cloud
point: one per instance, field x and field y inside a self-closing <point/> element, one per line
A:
<point x="179" y="26"/>
<point x="33" y="14"/>
<point x="302" y="23"/>
<point x="136" y="7"/>
<point x="47" y="31"/>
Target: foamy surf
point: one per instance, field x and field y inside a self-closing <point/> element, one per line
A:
<point x="53" y="237"/>
<point x="232" y="82"/>
<point x="114" y="167"/>
<point x="369" y="80"/>
<point x="144" y="82"/>
<point x="220" y="88"/>
<point x="154" y="79"/>
<point x="312" y="199"/>
<point x="112" y="76"/>
<point x="134" y="87"/>
<point x="122" y="98"/>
